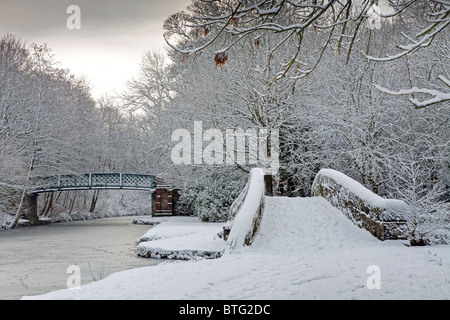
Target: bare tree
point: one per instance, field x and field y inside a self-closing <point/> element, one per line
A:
<point x="336" y="25"/>
<point x="341" y="20"/>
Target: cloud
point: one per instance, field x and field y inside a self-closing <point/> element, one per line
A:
<point x="113" y="37"/>
<point x="99" y="17"/>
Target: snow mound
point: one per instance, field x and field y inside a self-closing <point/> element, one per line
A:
<point x="182" y="239"/>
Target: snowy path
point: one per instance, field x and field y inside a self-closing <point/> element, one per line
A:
<point x="304" y="249"/>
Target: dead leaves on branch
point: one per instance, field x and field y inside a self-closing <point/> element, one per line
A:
<point x="206" y="31"/>
<point x="257" y="42"/>
<point x="220" y="58"/>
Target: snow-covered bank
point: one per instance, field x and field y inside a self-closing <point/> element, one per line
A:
<point x="304" y="249"/>
<point x="181" y="238"/>
<point x="74" y="216"/>
<point x="110" y="205"/>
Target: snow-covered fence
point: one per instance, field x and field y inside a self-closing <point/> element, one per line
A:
<point x="384" y="218"/>
<point x="246" y="211"/>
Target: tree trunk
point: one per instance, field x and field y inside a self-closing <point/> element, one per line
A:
<point x="66" y="197"/>
<point x="49" y="205"/>
<point x="73" y="202"/>
<point x="15" y="221"/>
<point x="94" y="201"/>
<point x="44" y="207"/>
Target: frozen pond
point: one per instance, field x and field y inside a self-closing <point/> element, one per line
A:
<point x="34" y="260"/>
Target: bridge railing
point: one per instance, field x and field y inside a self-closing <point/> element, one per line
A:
<point x="383" y="218"/>
<point x="247" y="209"/>
<point x="95" y="181"/>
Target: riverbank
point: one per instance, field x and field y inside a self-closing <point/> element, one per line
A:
<point x="109" y="204"/>
<point x="70" y="217"/>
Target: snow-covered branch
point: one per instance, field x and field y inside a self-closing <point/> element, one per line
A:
<point x="436" y="96"/>
<point x="425" y="37"/>
<point x="215" y="19"/>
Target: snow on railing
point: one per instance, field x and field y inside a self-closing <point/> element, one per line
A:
<point x="246" y="212"/>
<point x="384" y="218"/>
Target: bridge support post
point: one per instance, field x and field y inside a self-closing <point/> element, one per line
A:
<point x="268" y="183"/>
<point x="30" y="206"/>
<point x="153" y="203"/>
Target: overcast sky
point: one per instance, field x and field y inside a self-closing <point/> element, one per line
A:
<point x="107" y="49"/>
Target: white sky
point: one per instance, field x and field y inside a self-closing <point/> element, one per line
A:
<point x="109" y="46"/>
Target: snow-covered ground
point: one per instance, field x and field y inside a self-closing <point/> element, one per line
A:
<point x="304" y="249"/>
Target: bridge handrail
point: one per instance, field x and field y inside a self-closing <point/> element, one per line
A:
<point x="95" y="181"/>
<point x="237" y="204"/>
<point x="248" y="209"/>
